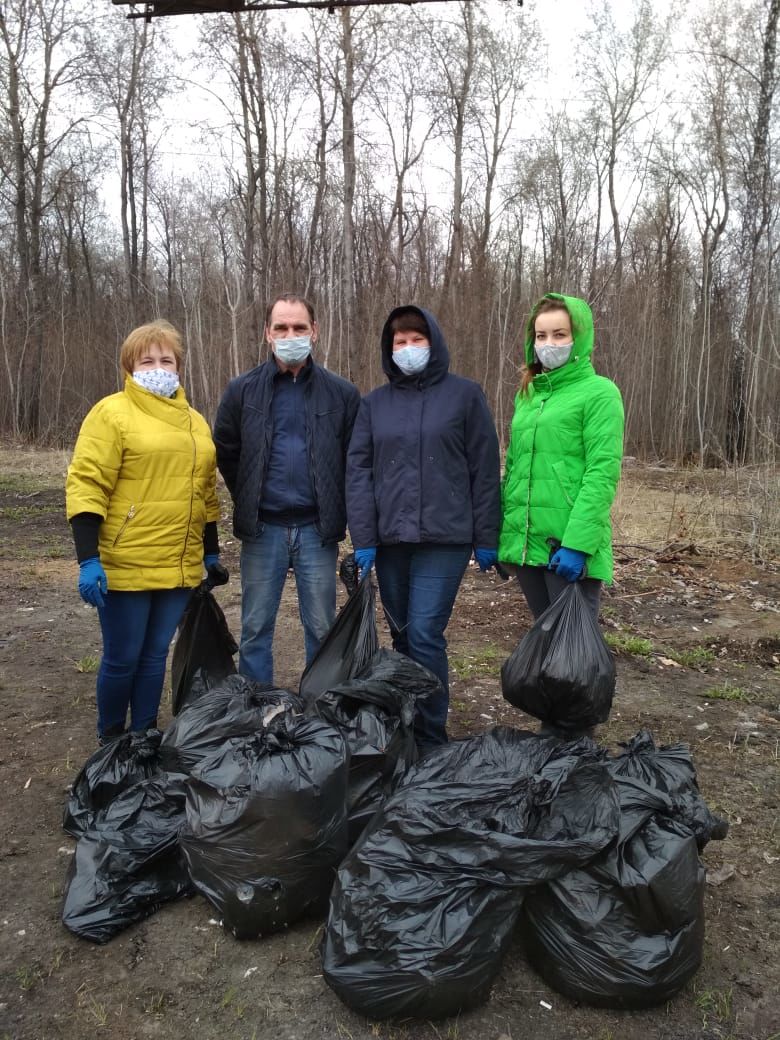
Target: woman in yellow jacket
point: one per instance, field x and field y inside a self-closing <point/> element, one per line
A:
<point x="142" y="504"/>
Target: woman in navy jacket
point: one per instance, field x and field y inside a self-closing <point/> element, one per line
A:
<point x="422" y="493"/>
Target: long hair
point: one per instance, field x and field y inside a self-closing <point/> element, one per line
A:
<point x="529" y="372"/>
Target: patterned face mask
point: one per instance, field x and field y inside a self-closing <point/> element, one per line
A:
<point x="158" y="380"/>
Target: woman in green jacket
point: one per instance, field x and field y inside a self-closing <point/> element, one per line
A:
<point x="563" y="462"/>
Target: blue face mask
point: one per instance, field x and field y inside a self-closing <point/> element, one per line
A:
<point x="158" y="380"/>
<point x="292" y="351"/>
<point x="553" y="356"/>
<point x="412" y="360"/>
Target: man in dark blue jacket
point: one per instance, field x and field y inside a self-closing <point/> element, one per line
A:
<point x="422" y="493"/>
<point x="282" y="432"/>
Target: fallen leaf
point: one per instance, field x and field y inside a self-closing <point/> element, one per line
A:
<point x="721" y="875"/>
<point x="669" y="662"/>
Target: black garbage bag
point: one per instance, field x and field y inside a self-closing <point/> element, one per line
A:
<point x="236" y="707"/>
<point x="626" y="931"/>
<point x="128" y="863"/>
<point x="562" y="670"/>
<point x="349" y="572"/>
<point x="267" y="824"/>
<point x="424" y="905"/>
<point x="375" y="712"/>
<point x="204" y="649"/>
<point x="348" y="646"/>
<point x="111" y="769"/>
<point x="670" y="769"/>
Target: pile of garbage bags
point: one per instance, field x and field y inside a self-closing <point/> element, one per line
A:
<point x="252" y="795"/>
<point x="276" y="805"/>
<point x="424" y="908"/>
<point x="592" y="861"/>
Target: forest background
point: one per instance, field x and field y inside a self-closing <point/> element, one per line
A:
<point x="380" y="155"/>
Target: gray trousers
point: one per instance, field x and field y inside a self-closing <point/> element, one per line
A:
<point x="542" y="587"/>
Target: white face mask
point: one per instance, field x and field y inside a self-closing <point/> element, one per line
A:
<point x="158" y="380"/>
<point x="553" y="356"/>
<point x="292" y="351"/>
<point x="412" y="360"/>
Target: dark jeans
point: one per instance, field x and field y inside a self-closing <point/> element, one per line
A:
<point x="542" y="587"/>
<point x="418" y="584"/>
<point x="137" y="631"/>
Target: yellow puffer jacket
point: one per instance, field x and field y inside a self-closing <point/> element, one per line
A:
<point x="147" y="465"/>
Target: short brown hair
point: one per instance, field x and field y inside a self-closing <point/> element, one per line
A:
<point x="289" y="297"/>
<point x="140" y="339"/>
<point x="410" y="320"/>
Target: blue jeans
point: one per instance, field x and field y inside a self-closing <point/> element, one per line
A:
<point x="137" y="631"/>
<point x="265" y="561"/>
<point x="418" y="584"/>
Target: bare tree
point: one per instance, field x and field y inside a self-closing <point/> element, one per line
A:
<point x="621" y="70"/>
<point x="757" y="214"/>
<point x="35" y="65"/>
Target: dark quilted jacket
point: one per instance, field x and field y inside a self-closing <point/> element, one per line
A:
<point x="242" y="433"/>
<point x="423" y="463"/>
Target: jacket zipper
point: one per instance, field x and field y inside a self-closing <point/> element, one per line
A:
<point x="125" y="522"/>
<point x="308" y="419"/>
<point x="192" y="495"/>
<point x="421" y="391"/>
<point x="528" y="497"/>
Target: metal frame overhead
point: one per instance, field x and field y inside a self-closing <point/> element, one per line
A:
<point x="149" y="9"/>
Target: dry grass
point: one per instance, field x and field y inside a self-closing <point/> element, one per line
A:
<point x="47" y="464"/>
<point x="729" y="511"/>
<point x="732" y="512"/>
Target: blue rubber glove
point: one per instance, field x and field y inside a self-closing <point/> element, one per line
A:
<point x="486" y="558"/>
<point x="93" y="583"/>
<point x="569" y="563"/>
<point x="364" y="558"/>
<point x="216" y="574"/>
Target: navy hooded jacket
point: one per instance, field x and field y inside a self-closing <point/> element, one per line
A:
<point x="423" y="462"/>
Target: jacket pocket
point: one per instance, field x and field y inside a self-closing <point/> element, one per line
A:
<point x="329" y="420"/>
<point x="123" y="526"/>
<point x="560" y="475"/>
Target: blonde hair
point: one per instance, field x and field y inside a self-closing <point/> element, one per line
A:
<point x="140" y="339"/>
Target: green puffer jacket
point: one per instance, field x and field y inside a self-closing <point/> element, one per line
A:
<point x="563" y="462"/>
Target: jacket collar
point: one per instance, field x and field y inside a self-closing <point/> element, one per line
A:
<point x="168" y="409"/>
<point x="575" y="369"/>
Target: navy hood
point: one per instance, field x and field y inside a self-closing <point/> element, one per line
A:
<point x="439" y="363"/>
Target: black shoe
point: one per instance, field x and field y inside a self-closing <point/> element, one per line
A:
<point x="110" y="733"/>
<point x="566" y="736"/>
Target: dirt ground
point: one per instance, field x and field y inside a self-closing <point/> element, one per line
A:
<point x="698" y="644"/>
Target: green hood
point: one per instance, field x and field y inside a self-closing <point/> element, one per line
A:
<point x="581" y="324"/>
